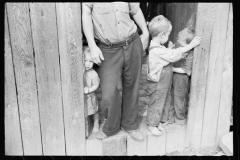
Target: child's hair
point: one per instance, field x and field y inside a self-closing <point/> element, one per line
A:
<point x="86" y="52"/>
<point x="189" y="35"/>
<point x="158" y="24"/>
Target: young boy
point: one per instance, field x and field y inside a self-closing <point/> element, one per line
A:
<point x="160" y="72"/>
<point x="181" y="72"/>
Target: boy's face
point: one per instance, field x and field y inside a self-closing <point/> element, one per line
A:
<point x="182" y="36"/>
<point x="165" y="36"/>
<point x="88" y="62"/>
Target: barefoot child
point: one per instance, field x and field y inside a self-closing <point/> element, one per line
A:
<point x="91" y="83"/>
<point x="181" y="72"/>
<point x="160" y="72"/>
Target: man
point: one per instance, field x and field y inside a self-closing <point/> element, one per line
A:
<point x="119" y="55"/>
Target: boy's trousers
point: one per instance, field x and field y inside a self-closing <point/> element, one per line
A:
<point x="180" y="91"/>
<point x="160" y="97"/>
<point x="122" y="63"/>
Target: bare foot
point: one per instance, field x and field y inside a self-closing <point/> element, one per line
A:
<point x="160" y="127"/>
<point x="154" y="131"/>
<point x="101" y="135"/>
<point x="95" y="128"/>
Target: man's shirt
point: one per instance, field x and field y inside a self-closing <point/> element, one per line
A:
<point x="112" y="22"/>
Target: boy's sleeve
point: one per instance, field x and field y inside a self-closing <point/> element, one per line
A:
<point x="133" y="8"/>
<point x="187" y="66"/>
<point x="170" y="55"/>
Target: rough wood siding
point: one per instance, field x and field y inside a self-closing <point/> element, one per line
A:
<point x="211" y="25"/>
<point x="45" y="40"/>
<point x="227" y="83"/>
<point x="13" y="139"/>
<point x="23" y="59"/>
<point x="70" y="48"/>
<point x="214" y="79"/>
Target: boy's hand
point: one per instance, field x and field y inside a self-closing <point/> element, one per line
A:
<point x="171" y="45"/>
<point x="86" y="90"/>
<point x="196" y="41"/>
<point x="96" y="55"/>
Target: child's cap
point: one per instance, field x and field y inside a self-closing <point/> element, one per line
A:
<point x="158" y="24"/>
<point x="86" y="53"/>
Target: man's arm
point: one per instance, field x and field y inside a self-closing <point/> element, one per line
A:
<point x="96" y="53"/>
<point x="140" y="20"/>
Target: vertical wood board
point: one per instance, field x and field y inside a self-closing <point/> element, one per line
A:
<point x="44" y="30"/>
<point x="21" y="41"/>
<point x="227" y="83"/>
<point x="205" y="19"/>
<point x="13" y="139"/>
<point x="214" y="76"/>
<point x="70" y="48"/>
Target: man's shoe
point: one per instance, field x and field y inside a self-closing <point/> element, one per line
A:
<point x="136" y="135"/>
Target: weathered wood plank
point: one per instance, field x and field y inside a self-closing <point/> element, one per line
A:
<point x="156" y="144"/>
<point x="70" y="48"/>
<point x="13" y="139"/>
<point x="206" y="13"/>
<point x="21" y="41"/>
<point x="44" y="31"/>
<point x="135" y="147"/>
<point x="115" y="145"/>
<point x="94" y="147"/>
<point x="227" y="83"/>
<point x="214" y="78"/>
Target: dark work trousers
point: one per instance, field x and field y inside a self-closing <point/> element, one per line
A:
<point x="159" y="97"/>
<point x="180" y="92"/>
<point x="123" y="63"/>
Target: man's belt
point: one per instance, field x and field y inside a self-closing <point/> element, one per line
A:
<point x="119" y="44"/>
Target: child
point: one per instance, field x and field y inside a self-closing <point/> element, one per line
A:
<point x="91" y="83"/>
<point x="181" y="72"/>
<point x="160" y="72"/>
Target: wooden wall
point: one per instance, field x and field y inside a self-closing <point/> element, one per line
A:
<point x="44" y="109"/>
<point x="212" y="73"/>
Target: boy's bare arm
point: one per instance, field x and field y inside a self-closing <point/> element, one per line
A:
<point x="195" y="42"/>
<point x="91" y="89"/>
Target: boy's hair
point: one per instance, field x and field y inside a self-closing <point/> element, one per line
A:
<point x="158" y="24"/>
<point x="190" y="35"/>
<point x="86" y="52"/>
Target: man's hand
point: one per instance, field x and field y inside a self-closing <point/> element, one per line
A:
<point x="144" y="39"/>
<point x="96" y="55"/>
<point x="171" y="45"/>
<point x="196" y="41"/>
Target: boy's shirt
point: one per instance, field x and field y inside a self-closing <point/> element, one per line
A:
<point x="161" y="56"/>
<point x="185" y="63"/>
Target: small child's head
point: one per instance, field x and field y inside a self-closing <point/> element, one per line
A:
<point x="87" y="57"/>
<point x="185" y="36"/>
<point x="160" y="27"/>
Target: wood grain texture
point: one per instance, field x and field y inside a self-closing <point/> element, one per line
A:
<point x="70" y="48"/>
<point x="206" y="13"/>
<point x="214" y="77"/>
<point x="21" y="41"/>
<point x="44" y="31"/>
<point x="13" y="139"/>
<point x="225" y="104"/>
<point x="156" y="144"/>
